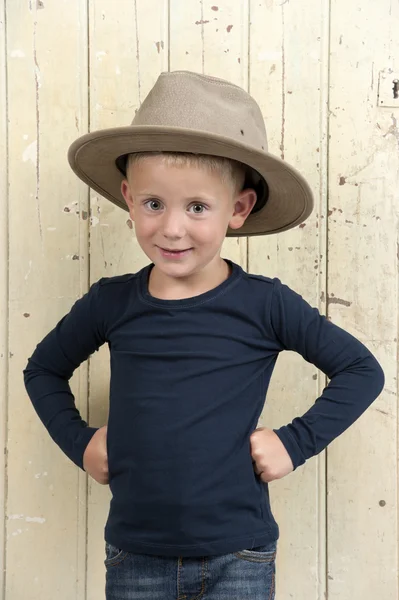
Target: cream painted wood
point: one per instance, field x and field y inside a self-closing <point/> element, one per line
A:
<point x="362" y="294"/>
<point x="288" y="78"/>
<point x="47" y="77"/>
<point x="3" y="279"/>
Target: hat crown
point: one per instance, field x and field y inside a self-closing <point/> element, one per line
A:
<point x="203" y="103"/>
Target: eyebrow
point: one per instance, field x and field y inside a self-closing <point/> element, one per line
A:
<point x="190" y="199"/>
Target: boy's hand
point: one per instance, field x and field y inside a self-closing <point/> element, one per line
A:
<point x="95" y="458"/>
<point x="271" y="459"/>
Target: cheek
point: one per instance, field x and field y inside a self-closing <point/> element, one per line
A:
<point x="214" y="226"/>
<point x="144" y="226"/>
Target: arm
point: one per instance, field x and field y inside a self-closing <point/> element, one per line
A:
<point x="77" y="335"/>
<point x="356" y="378"/>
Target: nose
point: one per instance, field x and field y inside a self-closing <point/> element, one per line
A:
<point x="173" y="224"/>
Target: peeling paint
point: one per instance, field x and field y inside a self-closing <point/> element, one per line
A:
<point x="27" y="519"/>
<point x="14" y="533"/>
<point x="69" y="207"/>
<point x="17" y="54"/>
<point x="29" y="271"/>
<point x="94" y="221"/>
<point x="100" y="54"/>
<point x="30" y="153"/>
<point x="393" y="130"/>
<point x="38" y="475"/>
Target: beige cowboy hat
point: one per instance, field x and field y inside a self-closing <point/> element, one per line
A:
<point x="190" y="112"/>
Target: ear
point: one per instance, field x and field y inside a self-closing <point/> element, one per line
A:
<point x="244" y="203"/>
<point x="125" y="191"/>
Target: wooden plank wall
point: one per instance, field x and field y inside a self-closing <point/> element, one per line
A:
<point x="321" y="72"/>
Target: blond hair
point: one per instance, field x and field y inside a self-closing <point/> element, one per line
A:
<point x="230" y="171"/>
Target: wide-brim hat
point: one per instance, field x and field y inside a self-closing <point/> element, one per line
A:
<point x="200" y="114"/>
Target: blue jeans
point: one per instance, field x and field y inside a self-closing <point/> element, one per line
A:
<point x="236" y="576"/>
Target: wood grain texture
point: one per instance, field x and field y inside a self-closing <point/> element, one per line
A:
<point x="48" y="271"/>
<point x="3" y="280"/>
<point x="362" y="296"/>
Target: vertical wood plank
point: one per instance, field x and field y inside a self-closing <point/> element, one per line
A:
<point x="47" y="84"/>
<point x="362" y="295"/>
<point x="211" y="37"/>
<point x="3" y="281"/>
<point x="129" y="46"/>
<point x="288" y="77"/>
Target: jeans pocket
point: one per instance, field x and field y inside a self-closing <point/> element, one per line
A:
<point x="113" y="556"/>
<point x="266" y="553"/>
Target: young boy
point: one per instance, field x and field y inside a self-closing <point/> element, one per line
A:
<point x="193" y="342"/>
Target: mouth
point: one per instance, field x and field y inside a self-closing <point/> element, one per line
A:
<point x="174" y="252"/>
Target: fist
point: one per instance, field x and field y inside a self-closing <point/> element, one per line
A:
<point x="270" y="458"/>
<point x="95" y="457"/>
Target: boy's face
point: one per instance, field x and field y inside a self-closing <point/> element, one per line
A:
<point x="184" y="209"/>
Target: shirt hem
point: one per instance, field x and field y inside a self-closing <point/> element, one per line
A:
<point x="205" y="549"/>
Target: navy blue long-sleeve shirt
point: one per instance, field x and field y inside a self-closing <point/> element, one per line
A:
<point x="188" y="384"/>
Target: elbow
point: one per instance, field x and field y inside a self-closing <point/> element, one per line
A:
<point x="377" y="376"/>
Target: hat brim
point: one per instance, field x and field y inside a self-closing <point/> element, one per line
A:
<point x="290" y="201"/>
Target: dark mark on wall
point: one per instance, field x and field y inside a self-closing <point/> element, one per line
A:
<point x="229" y="28"/>
<point x="26" y="315"/>
<point x="84" y="215"/>
<point x="214" y="7"/>
<point x="331" y="300"/>
<point x="382" y="503"/>
<point x="129" y="224"/>
<point x="314" y="376"/>
<point x="202" y="22"/>
<point x="75" y="257"/>
<point x="342" y="181"/>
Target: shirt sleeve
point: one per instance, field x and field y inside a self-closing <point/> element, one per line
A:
<point x="356" y="377"/>
<point x="76" y="336"/>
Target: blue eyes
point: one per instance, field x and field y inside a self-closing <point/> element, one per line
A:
<point x="156" y="205"/>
